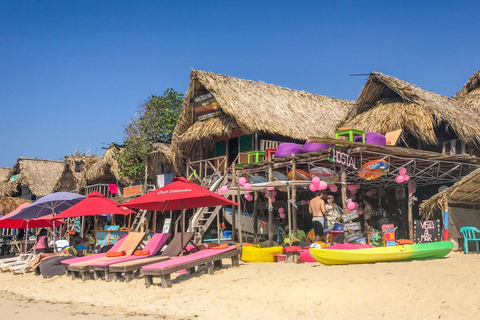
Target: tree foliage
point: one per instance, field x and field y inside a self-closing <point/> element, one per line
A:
<point x="154" y="122"/>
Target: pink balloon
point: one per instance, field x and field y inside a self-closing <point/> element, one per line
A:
<point x="353" y="197"/>
<point x="356" y="205"/>
<point x="354" y="191"/>
<point x="414" y="190"/>
<point x="271" y="188"/>
<point x="219" y="191"/>
<point x="267" y="195"/>
<point x="303" y="202"/>
<point x="402" y="171"/>
<point x="316" y="181"/>
<point x="281" y="210"/>
<point x="406" y="177"/>
<point x="248" y="186"/>
<point x="312" y="187"/>
<point x="273" y="199"/>
<point x="351" y="205"/>
<point x="357" y="186"/>
<point x="282" y="215"/>
<point x="351" y="187"/>
<point x="274" y="193"/>
<point x="308" y="202"/>
<point x="242" y="181"/>
<point x="333" y="188"/>
<point x="224" y="189"/>
<point x="414" y="185"/>
<point x="399" y="179"/>
<point x="248" y="196"/>
<point x="323" y="185"/>
<point x="360" y="211"/>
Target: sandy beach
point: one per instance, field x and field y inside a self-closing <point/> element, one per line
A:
<point x="446" y="288"/>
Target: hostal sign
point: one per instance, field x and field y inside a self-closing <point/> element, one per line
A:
<point x="205" y="107"/>
<point x="344" y="159"/>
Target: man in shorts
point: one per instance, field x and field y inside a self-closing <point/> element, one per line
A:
<point x="317" y="209"/>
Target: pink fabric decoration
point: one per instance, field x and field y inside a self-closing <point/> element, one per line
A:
<point x="113" y="188"/>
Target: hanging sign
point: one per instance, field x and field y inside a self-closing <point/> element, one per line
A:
<point x="350" y="237"/>
<point x="205" y="107"/>
<point x="427" y="231"/>
<point x="166" y="225"/>
<point x="389" y="234"/>
<point x="342" y="158"/>
<point x="132" y="191"/>
<point x="352" y="226"/>
<point x="350" y="216"/>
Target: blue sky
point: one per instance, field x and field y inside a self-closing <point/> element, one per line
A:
<point x="73" y="72"/>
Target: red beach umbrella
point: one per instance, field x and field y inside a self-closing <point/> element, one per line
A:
<point x="93" y="205"/>
<point x="178" y="195"/>
<point x="10" y="222"/>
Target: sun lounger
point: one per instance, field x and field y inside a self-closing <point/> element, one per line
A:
<point x="208" y="256"/>
<point x="129" y="245"/>
<point x="130" y="268"/>
<point x="21" y="265"/>
<point x="4" y="263"/>
<point x="114" y="248"/>
<point x="153" y="246"/>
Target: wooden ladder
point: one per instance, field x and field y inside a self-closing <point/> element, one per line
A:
<point x="137" y="222"/>
<point x="204" y="221"/>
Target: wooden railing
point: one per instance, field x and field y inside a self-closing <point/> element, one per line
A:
<point x="455" y="146"/>
<point x="208" y="170"/>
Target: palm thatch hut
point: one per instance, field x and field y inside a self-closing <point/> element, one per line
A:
<point x="73" y="176"/>
<point x="159" y="160"/>
<point x="462" y="200"/>
<point x="469" y="95"/>
<point x="5" y="174"/>
<point x="8" y="204"/>
<point x="33" y="177"/>
<point x="105" y="170"/>
<point x="249" y="107"/>
<point x="386" y="104"/>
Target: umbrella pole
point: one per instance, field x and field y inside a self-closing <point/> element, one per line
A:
<point x="26" y="238"/>
<point x="183" y="224"/>
<point x="54" y="242"/>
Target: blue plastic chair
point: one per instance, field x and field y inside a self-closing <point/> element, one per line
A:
<point x="469" y="235"/>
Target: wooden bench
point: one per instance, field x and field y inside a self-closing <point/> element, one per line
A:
<point x="207" y="257"/>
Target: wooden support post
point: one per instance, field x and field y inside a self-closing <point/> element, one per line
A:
<point x="410" y="207"/>
<point x="108" y="276"/>
<point x="239" y="199"/>
<point x="289" y="213"/>
<point x="129" y="276"/>
<point x="344" y="189"/>
<point x="217" y="264"/>
<point x="154" y="221"/>
<point x="235" y="261"/>
<point x="294" y="198"/>
<point x="148" y="281"/>
<point x="166" y="281"/>
<point x="255" y="216"/>
<point x="270" y="209"/>
<point x="234" y="235"/>
<point x="210" y="267"/>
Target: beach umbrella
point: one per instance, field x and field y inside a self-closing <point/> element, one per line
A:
<point x="94" y="204"/>
<point x="181" y="194"/>
<point x="50" y="204"/>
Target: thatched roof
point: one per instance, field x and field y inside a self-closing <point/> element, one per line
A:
<point x="465" y="191"/>
<point x="105" y="169"/>
<point x="73" y="176"/>
<point x="40" y="176"/>
<point x="470" y="93"/>
<point x="9" y="204"/>
<point x="5" y="174"/>
<point x="255" y="107"/>
<point x="386" y="104"/>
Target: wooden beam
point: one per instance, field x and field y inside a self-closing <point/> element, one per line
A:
<point x="294" y="198"/>
<point x="410" y="206"/>
<point x="270" y="209"/>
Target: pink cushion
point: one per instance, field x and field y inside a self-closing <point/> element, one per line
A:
<point x="189" y="258"/>
<point x="305" y="256"/>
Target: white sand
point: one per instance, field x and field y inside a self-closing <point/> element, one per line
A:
<point x="446" y="288"/>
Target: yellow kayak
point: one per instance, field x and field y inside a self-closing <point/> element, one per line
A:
<point x="431" y="250"/>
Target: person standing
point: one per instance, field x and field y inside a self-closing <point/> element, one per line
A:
<point x="333" y="212"/>
<point x="317" y="209"/>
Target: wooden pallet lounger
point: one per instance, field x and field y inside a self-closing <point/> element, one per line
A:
<point x="208" y="256"/>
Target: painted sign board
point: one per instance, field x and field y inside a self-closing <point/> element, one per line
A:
<point x="342" y="158"/>
<point x="166" y="225"/>
<point x="205" y="107"/>
<point x="350" y="237"/>
<point x="349" y="216"/>
<point x="352" y="226"/>
<point x="427" y="231"/>
<point x="132" y="191"/>
<point x="389" y="234"/>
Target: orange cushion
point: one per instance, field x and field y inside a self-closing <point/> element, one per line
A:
<point x="142" y="253"/>
<point x="404" y="241"/>
<point x="115" y="253"/>
<point x="344" y="128"/>
<point x="246" y="244"/>
<point x="221" y="246"/>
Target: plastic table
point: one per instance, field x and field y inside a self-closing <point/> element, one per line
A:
<point x="351" y="133"/>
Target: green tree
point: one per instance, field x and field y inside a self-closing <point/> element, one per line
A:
<point x="154" y="122"/>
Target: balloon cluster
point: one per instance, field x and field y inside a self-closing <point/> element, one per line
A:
<point x="317" y="184"/>
<point x="351" y="205"/>
<point x="353" y="188"/>
<point x="281" y="211"/>
<point x="243" y="182"/>
<point x="223" y="190"/>
<point x="371" y="192"/>
<point x="403" y="176"/>
<point x="333" y="188"/>
<point x="305" y="202"/>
